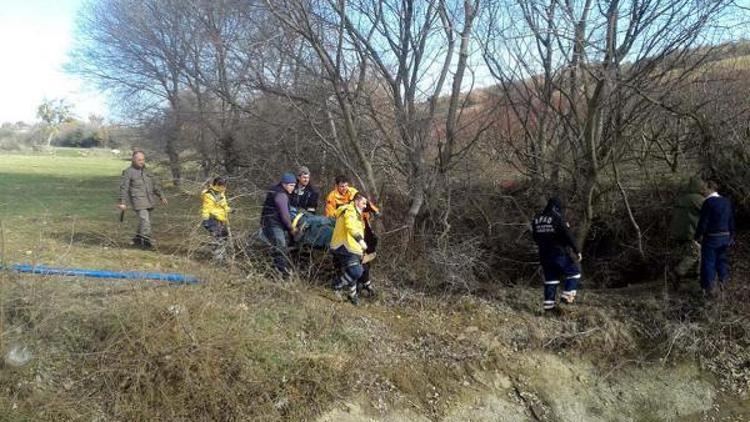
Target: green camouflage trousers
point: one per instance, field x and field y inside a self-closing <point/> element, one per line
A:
<point x="686" y="257"/>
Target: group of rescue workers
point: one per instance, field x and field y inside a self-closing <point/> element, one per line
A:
<point x="702" y="229"/>
<point x="352" y="243"/>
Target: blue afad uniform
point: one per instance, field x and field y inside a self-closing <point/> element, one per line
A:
<point x="715" y="232"/>
<point x="553" y="238"/>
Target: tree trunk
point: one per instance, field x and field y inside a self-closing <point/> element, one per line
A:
<point x="415" y="206"/>
<point x="588" y="215"/>
<point x="50" y="137"/>
<point x="174" y="159"/>
<point x="226" y="144"/>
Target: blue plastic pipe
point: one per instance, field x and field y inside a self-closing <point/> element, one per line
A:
<point x="127" y="275"/>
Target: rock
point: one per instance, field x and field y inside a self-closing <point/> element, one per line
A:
<point x="281" y="403"/>
<point x="18" y="356"/>
<point x="176" y="310"/>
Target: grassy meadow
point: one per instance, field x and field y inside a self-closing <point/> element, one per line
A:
<point x="60" y="210"/>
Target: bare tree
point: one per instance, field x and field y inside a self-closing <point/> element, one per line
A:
<point x="136" y="49"/>
<point x="388" y="63"/>
<point x="582" y="76"/>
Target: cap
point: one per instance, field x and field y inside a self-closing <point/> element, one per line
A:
<point x="288" y="178"/>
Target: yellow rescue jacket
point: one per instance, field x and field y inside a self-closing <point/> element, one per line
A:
<point x="349" y="229"/>
<point x="214" y="203"/>
<point x="334" y="200"/>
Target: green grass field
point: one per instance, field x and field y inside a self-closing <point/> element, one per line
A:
<point x="60" y="210"/>
<point x="54" y="186"/>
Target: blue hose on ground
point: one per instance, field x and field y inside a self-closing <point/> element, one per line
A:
<point x="127" y="275"/>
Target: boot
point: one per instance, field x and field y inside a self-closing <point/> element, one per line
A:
<point x="337" y="284"/>
<point x="368" y="290"/>
<point x="567" y="299"/>
<point x="352" y="294"/>
<point x="142" y="242"/>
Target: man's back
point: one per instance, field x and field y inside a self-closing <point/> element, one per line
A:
<point x="716" y="217"/>
<point x="551" y="233"/>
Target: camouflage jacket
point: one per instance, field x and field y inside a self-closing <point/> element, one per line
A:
<point x="685" y="214"/>
<point x="139" y="188"/>
<point x="686" y="211"/>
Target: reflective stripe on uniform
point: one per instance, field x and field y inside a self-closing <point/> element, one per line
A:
<point x="295" y="222"/>
<point x="573" y="276"/>
<point x="552" y="282"/>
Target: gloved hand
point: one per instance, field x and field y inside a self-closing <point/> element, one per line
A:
<point x="206" y="224"/>
<point x="296" y="235"/>
<point x="363" y="244"/>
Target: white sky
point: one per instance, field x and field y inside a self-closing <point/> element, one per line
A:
<point x="35" y="37"/>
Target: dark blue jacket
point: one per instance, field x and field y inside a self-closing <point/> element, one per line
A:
<point x="304" y="198"/>
<point x="276" y="209"/>
<point x="716" y="218"/>
<point x="551" y="231"/>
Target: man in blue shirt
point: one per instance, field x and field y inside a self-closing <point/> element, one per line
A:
<point x="553" y="238"/>
<point x="715" y="232"/>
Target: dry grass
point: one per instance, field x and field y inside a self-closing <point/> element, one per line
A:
<point x="256" y="350"/>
